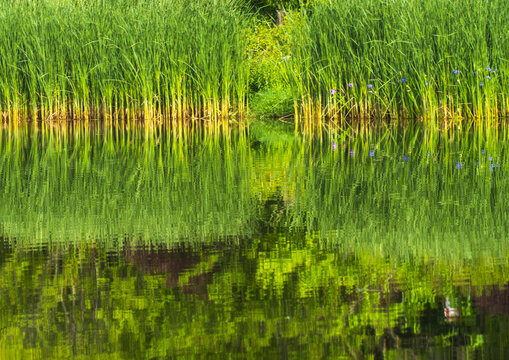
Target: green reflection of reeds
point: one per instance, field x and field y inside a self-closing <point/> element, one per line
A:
<point x="67" y="186"/>
<point x="408" y="198"/>
<point x="122" y="59"/>
<point x="336" y="253"/>
<point x="418" y="194"/>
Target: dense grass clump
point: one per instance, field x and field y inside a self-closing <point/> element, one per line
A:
<point x="122" y="59"/>
<point x="439" y="59"/>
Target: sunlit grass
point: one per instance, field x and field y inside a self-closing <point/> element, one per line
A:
<point x="440" y="61"/>
<point x="170" y="60"/>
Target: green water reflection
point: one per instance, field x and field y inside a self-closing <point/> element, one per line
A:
<point x="136" y="244"/>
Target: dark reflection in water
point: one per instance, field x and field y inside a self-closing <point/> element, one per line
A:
<point x="137" y="244"/>
<point x="171" y="263"/>
<point x="219" y="300"/>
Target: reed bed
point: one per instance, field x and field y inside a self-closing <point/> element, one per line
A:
<point x="442" y="61"/>
<point x="122" y="59"/>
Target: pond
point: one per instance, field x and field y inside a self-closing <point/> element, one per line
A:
<point x="138" y="243"/>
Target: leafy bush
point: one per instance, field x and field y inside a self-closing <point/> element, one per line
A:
<point x="267" y="50"/>
<point x="274" y="102"/>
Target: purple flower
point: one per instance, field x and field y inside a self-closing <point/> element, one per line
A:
<point x="490" y="158"/>
<point x="488" y="77"/>
<point x="352" y="152"/>
<point x="459" y="165"/>
<point x="493" y="70"/>
<point x="370" y="86"/>
<point x="403" y="79"/>
<point x="405" y="158"/>
<point x="372" y="153"/>
<point x="427" y="83"/>
<point x="349" y="84"/>
<point x="482" y="151"/>
<point x="334" y="146"/>
<point x="481" y="84"/>
<point x="332" y="92"/>
<point x="455" y="72"/>
<point x="474" y="73"/>
<point x="429" y="154"/>
<point x="488" y="68"/>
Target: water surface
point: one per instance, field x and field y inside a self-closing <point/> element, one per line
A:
<point x="259" y="244"/>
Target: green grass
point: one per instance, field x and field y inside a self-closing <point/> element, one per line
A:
<point x="179" y="61"/>
<point x="272" y="103"/>
<point x="122" y="59"/>
<point x="379" y="43"/>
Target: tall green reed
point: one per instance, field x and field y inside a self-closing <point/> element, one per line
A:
<point x="441" y="61"/>
<point x="122" y="59"/>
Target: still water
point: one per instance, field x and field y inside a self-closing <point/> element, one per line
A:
<point x="130" y="243"/>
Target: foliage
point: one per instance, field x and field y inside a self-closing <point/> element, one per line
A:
<point x="267" y="50"/>
<point x="273" y="103"/>
<point x="269" y="8"/>
<point x="122" y="59"/>
<point x="440" y="60"/>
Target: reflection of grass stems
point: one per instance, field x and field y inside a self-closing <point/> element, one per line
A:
<point x="75" y="185"/>
<point x="409" y="197"/>
<point x="396" y="206"/>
